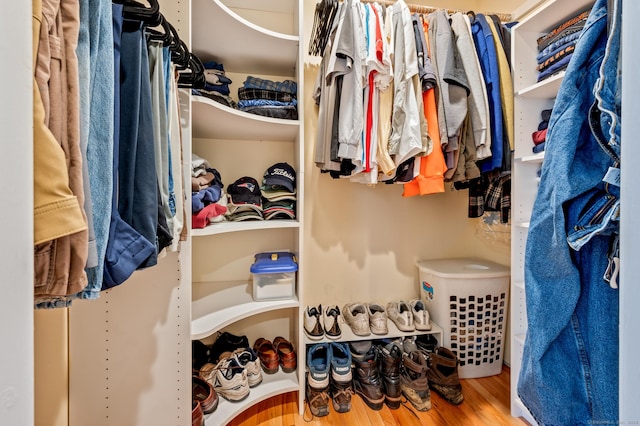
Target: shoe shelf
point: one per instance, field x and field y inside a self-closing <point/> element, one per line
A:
<point x="272" y="385"/>
<point x="214" y="120"/>
<point x="254" y="225"/>
<point x="216" y="305"/>
<point x="349" y="336"/>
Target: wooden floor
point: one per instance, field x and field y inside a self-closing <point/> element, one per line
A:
<point x="486" y="402"/>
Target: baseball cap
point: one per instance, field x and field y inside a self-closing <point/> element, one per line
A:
<point x="245" y="190"/>
<point x="280" y="174"/>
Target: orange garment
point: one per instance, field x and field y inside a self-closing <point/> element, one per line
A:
<point x="432" y="167"/>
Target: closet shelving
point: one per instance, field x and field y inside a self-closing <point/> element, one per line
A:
<point x="261" y="39"/>
<point x="348" y="336"/>
<point x="531" y="97"/>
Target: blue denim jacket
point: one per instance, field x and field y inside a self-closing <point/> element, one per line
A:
<point x="569" y="369"/>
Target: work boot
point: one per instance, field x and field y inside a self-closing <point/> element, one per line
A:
<point x="341" y="377"/>
<point x="366" y="376"/>
<point x="443" y="375"/>
<point x="391" y="358"/>
<point x="413" y="380"/>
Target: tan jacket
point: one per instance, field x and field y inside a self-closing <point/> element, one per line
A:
<point x="60" y="235"/>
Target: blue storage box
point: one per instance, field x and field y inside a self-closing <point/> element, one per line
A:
<point x="274" y="275"/>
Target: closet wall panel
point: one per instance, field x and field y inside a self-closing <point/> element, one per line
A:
<point x="16" y="251"/>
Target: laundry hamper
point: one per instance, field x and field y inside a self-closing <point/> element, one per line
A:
<point x="469" y="299"/>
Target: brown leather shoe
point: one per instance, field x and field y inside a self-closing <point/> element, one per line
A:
<point x="197" y="416"/>
<point x="203" y="392"/>
<point x="268" y="354"/>
<point x="287" y="354"/>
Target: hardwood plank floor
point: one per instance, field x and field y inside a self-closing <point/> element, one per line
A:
<point x="486" y="402"/>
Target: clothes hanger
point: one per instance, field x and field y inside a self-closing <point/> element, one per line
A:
<point x="165" y="36"/>
<point x="132" y="9"/>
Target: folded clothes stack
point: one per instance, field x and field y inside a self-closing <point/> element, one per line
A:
<point x="217" y="85"/>
<point x="556" y="47"/>
<point x="269" y="98"/>
<point x="208" y="200"/>
<point x="539" y="137"/>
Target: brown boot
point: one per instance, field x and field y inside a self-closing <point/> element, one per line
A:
<point x="413" y="380"/>
<point x="443" y="375"/>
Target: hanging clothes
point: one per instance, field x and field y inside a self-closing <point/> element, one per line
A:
<point x="571" y="346"/>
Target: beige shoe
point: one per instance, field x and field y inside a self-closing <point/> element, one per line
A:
<point x="357" y="317"/>
<point x="401" y="315"/>
<point x="420" y="315"/>
<point x="377" y="318"/>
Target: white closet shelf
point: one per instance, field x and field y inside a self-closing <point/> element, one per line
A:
<point x="272" y="385"/>
<point x="253" y="225"/>
<point x="544" y="89"/>
<point x="535" y="158"/>
<point x="519" y="284"/>
<point x="524" y="225"/>
<point x="348" y="336"/>
<point x="240" y="45"/>
<point x="216" y="305"/>
<point x="550" y="14"/>
<point x="213" y="120"/>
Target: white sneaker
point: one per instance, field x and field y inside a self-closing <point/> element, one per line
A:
<point x="400" y="314"/>
<point x="228" y="378"/>
<point x="377" y="318"/>
<point x="332" y="322"/>
<point x="248" y="359"/>
<point x="312" y="323"/>
<point x="420" y="315"/>
<point x="356" y="316"/>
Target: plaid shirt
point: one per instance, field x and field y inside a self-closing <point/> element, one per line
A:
<point x="245" y="94"/>
<point x="287" y="86"/>
<point x="491" y="193"/>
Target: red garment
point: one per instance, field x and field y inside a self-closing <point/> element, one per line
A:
<point x="201" y="219"/>
<point x="539" y="136"/>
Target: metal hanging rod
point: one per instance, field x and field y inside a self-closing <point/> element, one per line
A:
<point x="418" y="8"/>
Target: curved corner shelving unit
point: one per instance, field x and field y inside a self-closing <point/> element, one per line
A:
<point x="216" y="305"/>
<point x="272" y="385"/>
<point x="223" y="228"/>
<point x="212" y="119"/>
<point x="241" y="45"/>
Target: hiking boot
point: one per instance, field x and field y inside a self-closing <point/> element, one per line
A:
<point x="319" y="364"/>
<point x="366" y="380"/>
<point x="312" y="324"/>
<point x="427" y="343"/>
<point x="413" y="380"/>
<point x="443" y="375"/>
<point x="391" y="358"/>
<point x="318" y="399"/>
<point x="341" y="387"/>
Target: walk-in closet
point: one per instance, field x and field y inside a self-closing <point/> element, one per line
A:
<point x="246" y="106"/>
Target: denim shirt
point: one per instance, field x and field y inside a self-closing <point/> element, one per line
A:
<point x="569" y="369"/>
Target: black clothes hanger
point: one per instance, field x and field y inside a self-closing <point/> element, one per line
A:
<point x="322" y="22"/>
<point x="165" y="36"/>
<point x="132" y="9"/>
<point x="472" y="16"/>
<point x="194" y="78"/>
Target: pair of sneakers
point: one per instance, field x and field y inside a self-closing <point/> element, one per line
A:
<point x="329" y="377"/>
<point x="234" y="374"/>
<point x="366" y="318"/>
<point x="319" y="323"/>
<point x="409" y="316"/>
